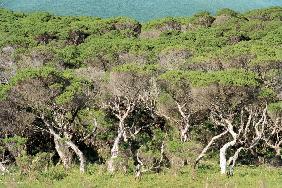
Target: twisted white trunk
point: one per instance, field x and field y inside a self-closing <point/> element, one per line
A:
<point x="64" y="152"/>
<point x="222" y="156"/>
<point x="233" y="159"/>
<point x="70" y="144"/>
<point x="80" y="155"/>
<point x="115" y="148"/>
<point x="65" y="142"/>
<point x="225" y="147"/>
<point x="186" y="120"/>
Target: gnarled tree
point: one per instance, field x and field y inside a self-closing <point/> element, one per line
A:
<point x="54" y="98"/>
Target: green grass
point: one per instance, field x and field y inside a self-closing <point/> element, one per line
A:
<point x="205" y="176"/>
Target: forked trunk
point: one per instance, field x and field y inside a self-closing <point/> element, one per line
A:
<point x="222" y="156"/>
<point x="71" y="145"/>
<point x="64" y="152"/>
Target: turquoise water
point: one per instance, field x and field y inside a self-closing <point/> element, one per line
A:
<point x="142" y="10"/>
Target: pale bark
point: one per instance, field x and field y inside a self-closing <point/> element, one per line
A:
<point x="77" y="151"/>
<point x="65" y="141"/>
<point x="80" y="155"/>
<point x="232" y="160"/>
<point x="162" y="156"/>
<point x="222" y="155"/>
<point x="3" y="168"/>
<point x="278" y="156"/>
<point x="121" y="114"/>
<point x="184" y="134"/>
<point x="115" y="151"/>
<point x="259" y="127"/>
<point x="277" y="148"/>
<point x="227" y="123"/>
<point x="139" y="167"/>
<point x="186" y="121"/>
<point x="275" y="134"/>
<point x="64" y="152"/>
<point x="204" y="151"/>
<point x="278" y="151"/>
<point x="225" y="147"/>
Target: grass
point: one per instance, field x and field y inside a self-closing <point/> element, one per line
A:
<point x="205" y="176"/>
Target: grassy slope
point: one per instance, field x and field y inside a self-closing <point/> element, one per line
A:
<point x="205" y="176"/>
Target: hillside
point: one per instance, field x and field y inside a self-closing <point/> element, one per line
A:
<point x="191" y="96"/>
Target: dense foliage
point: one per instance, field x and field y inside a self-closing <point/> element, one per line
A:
<point x="137" y="99"/>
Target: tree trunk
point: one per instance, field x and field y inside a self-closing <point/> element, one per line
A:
<point x="278" y="151"/>
<point x="184" y="133"/>
<point x="139" y="167"/>
<point x="204" y="151"/>
<point x="186" y="120"/>
<point x="277" y="158"/>
<point x="2" y="168"/>
<point x="115" y="151"/>
<point x="222" y="156"/>
<point x="79" y="154"/>
<point x="233" y="159"/>
<point x="64" y="152"/>
<point x="69" y="143"/>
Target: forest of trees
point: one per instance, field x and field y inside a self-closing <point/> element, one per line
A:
<point x="140" y="98"/>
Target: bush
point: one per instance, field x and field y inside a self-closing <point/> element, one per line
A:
<point x="55" y="173"/>
<point x="227" y="11"/>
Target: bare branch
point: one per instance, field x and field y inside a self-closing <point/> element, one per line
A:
<point x="204" y="151"/>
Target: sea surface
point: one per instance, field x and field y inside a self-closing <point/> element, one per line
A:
<point x="142" y="10"/>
